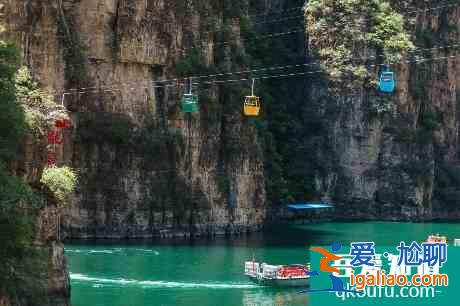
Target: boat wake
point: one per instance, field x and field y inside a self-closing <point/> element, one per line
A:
<point x="100" y="282"/>
<point x="110" y="251"/>
<point x="148" y="251"/>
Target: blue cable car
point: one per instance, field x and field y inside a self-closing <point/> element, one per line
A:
<point x="387" y="81"/>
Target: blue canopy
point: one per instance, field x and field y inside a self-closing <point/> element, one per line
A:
<point x="309" y="205"/>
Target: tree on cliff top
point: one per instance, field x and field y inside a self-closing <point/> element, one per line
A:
<point x="345" y="34"/>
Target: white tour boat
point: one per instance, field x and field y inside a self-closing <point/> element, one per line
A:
<point x="436" y="239"/>
<point x="282" y="275"/>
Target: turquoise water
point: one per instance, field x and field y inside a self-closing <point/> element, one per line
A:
<point x="210" y="272"/>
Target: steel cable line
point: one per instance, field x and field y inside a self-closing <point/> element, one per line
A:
<point x="111" y="88"/>
<point x="271" y="35"/>
<point x="291" y="75"/>
<point x="239" y="39"/>
<point x="279" y="20"/>
<point x="292" y="32"/>
<point x="247" y="79"/>
<point x="301" y="30"/>
<point x="288" y="75"/>
<point x="252" y="23"/>
<point x="249" y="16"/>
<point x="263" y="78"/>
<point x="97" y="88"/>
<point x="178" y="84"/>
<point x="278" y="13"/>
<point x="420" y="10"/>
<point x="162" y="81"/>
<point x="293" y="65"/>
<point x="316" y="72"/>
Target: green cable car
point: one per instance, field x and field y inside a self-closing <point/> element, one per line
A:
<point x="189" y="103"/>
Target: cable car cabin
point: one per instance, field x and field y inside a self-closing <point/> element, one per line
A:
<point x="189" y="103"/>
<point x="251" y="106"/>
<point x="387" y="82"/>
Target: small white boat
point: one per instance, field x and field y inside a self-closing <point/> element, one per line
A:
<point x="281" y="276"/>
<point x="436" y="239"/>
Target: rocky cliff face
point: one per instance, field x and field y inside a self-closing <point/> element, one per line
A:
<point x="145" y="168"/>
<point x="49" y="284"/>
<point x="402" y="162"/>
<point x="42" y="274"/>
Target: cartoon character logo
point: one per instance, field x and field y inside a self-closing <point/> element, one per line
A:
<point x="337" y="284"/>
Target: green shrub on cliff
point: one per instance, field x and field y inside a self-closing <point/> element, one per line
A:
<point x="28" y="91"/>
<point x="342" y="32"/>
<point x="35" y="102"/>
<point x="61" y="181"/>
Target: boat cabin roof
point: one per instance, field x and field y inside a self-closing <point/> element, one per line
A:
<point x="310" y="205"/>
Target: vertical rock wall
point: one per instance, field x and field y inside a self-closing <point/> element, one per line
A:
<point x="401" y="163"/>
<point x="199" y="174"/>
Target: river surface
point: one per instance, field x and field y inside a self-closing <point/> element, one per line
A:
<point x="210" y="272"/>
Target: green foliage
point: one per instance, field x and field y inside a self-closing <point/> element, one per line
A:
<point x="106" y="127"/>
<point x="286" y="130"/>
<point x="16" y="198"/>
<point x="35" y="102"/>
<point x="380" y="105"/>
<point x="223" y="183"/>
<point x="417" y="169"/>
<point x="388" y="33"/>
<point x="425" y="38"/>
<point x="194" y="63"/>
<point x="429" y="120"/>
<point x="29" y="91"/>
<point x="406" y="132"/>
<point x="151" y="139"/>
<point x="120" y="130"/>
<point x="12" y="125"/>
<point x="211" y="104"/>
<point x="445" y="33"/>
<point x="36" y="121"/>
<point x="73" y="50"/>
<point x="210" y="24"/>
<point x="20" y="262"/>
<point x="235" y="8"/>
<point x="61" y="181"/>
<point x="17" y="213"/>
<point x="447" y="184"/>
<point x="341" y="29"/>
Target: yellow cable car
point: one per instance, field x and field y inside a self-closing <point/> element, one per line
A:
<point x="251" y="104"/>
